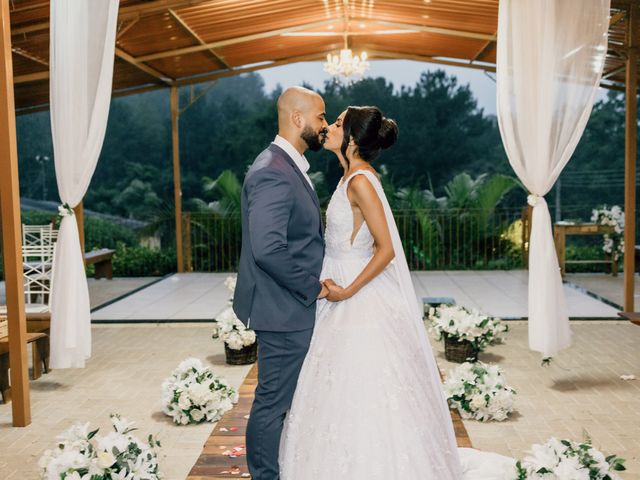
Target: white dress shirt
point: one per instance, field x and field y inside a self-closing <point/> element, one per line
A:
<point x="301" y="162"/>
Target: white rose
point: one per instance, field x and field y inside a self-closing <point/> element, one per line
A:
<point x="197" y="414"/>
<point x="105" y="459"/>
<point x="570" y="469"/>
<point x="478" y="402"/>
<point x="183" y="401"/>
<point x="111" y="440"/>
<point x="189" y="364"/>
<point x="199" y="393"/>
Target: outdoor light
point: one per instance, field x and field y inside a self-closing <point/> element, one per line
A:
<point x="346" y="66"/>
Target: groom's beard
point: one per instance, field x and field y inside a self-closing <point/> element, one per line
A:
<point x="312" y="139"/>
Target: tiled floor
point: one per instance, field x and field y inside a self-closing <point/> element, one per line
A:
<point x="579" y="393"/>
<point x="189" y="296"/>
<point x="606" y="286"/>
<point x="200" y="296"/>
<point x="124" y="375"/>
<point x="103" y="290"/>
<point x="500" y="293"/>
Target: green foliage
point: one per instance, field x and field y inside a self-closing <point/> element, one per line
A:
<point x="141" y="261"/>
<point x="99" y="233"/>
<point x="460" y="226"/>
<point x="228" y="189"/>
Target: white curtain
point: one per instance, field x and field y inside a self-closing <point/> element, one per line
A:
<point x="550" y="56"/>
<point x="81" y="70"/>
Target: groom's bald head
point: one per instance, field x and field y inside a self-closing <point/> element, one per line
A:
<point x="301" y="117"/>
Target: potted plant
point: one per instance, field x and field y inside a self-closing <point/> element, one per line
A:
<point x="240" y="344"/>
<point x="465" y="331"/>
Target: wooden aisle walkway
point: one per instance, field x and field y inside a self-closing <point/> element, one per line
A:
<point x="223" y="455"/>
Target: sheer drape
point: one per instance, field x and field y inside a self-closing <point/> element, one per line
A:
<point x="81" y="70"/>
<point x="550" y="56"/>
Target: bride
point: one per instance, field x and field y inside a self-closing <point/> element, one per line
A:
<point x="369" y="402"/>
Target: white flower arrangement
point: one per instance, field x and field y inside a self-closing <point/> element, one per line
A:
<point x="613" y="217"/>
<point x="83" y="455"/>
<point x="567" y="460"/>
<point x="228" y="325"/>
<point x="233" y="332"/>
<point x="480" y="392"/>
<point x="460" y="323"/>
<point x="194" y="394"/>
<point x="230" y="283"/>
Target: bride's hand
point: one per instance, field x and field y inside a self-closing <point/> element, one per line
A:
<point x="336" y="292"/>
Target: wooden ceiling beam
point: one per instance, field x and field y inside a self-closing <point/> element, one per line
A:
<point x="372" y="52"/>
<point x="616" y="18"/>
<point x="483" y="50"/>
<point x="232" y="41"/>
<point x="614" y="71"/>
<point x="226" y="73"/>
<point x="437" y="30"/>
<point x="126" y="26"/>
<point x="145" y="68"/>
<point x="142" y="10"/>
<point x="31" y="77"/>
<point x="33" y="58"/>
<point x="197" y="37"/>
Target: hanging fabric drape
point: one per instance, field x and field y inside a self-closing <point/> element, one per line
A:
<point x="550" y="56"/>
<point x="82" y="48"/>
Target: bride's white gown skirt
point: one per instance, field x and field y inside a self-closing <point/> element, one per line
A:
<point x="369" y="403"/>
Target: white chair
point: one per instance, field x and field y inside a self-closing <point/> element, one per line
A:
<point x="37" y="261"/>
<point x="33" y="234"/>
<point x="49" y="236"/>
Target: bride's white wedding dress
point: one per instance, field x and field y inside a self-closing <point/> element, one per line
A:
<point x="369" y="403"/>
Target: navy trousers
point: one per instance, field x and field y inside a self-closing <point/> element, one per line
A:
<point x="280" y="358"/>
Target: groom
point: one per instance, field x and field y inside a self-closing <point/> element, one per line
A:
<point x="278" y="279"/>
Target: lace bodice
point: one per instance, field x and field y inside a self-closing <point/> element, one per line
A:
<point x="339" y="229"/>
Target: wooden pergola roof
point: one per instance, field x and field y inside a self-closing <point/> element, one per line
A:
<point x="162" y="43"/>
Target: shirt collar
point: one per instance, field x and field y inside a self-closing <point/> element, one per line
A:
<point x="299" y="159"/>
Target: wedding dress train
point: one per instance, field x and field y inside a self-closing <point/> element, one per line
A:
<point x="369" y="403"/>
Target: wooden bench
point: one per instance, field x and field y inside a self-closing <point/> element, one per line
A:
<point x="633" y="317"/>
<point x="562" y="230"/>
<point x="40" y="361"/>
<point x="102" y="259"/>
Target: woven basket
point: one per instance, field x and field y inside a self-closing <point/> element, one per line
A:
<point x="244" y="356"/>
<point x="459" y="351"/>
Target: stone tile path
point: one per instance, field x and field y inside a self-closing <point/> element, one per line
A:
<point x="500" y="293"/>
<point x="124" y="375"/>
<point x="580" y="392"/>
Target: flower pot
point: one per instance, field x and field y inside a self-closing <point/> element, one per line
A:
<point x="244" y="356"/>
<point x="459" y="351"/>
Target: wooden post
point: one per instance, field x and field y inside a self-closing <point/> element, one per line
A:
<point x="11" y="236"/>
<point x="79" y="214"/>
<point x="177" y="192"/>
<point x="630" y="159"/>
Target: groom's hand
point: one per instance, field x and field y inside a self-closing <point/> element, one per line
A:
<point x="323" y="292"/>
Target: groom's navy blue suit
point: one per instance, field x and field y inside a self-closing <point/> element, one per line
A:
<point x="278" y="283"/>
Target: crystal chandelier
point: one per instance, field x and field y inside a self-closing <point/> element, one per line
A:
<point x="347" y="66"/>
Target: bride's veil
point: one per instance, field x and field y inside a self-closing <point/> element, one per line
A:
<point x="414" y="309"/>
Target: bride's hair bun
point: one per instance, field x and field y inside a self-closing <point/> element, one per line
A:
<point x="388" y="133"/>
<point x="370" y="130"/>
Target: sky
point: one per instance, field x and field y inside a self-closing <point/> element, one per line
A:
<point x="399" y="72"/>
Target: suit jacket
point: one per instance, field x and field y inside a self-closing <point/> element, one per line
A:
<point x="282" y="246"/>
